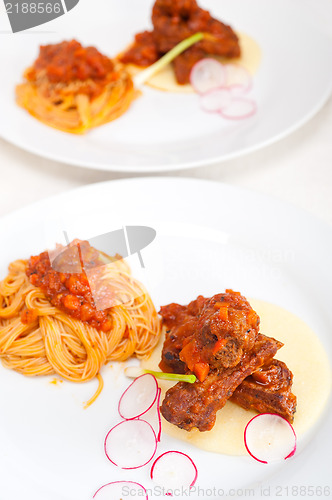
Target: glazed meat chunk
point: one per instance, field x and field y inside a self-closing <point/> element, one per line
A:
<point x="195" y="405"/>
<point x="218" y="340"/>
<point x="208" y="334"/>
<point x="173" y="21"/>
<point x="268" y="390"/>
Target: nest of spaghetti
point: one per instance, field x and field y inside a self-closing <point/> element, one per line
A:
<point x="72" y="323"/>
<point x="74" y="89"/>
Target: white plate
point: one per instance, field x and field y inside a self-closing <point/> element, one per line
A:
<point x="165" y="131"/>
<point x="214" y="237"/>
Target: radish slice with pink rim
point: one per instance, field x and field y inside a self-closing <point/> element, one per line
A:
<point x="131" y="444"/>
<point x="207" y="74"/>
<point x="173" y="470"/>
<point x="239" y="109"/>
<point x="237" y="76"/>
<point x="153" y="417"/>
<point x="139" y="397"/>
<point x="215" y="100"/>
<point x="121" y="489"/>
<point x="269" y="438"/>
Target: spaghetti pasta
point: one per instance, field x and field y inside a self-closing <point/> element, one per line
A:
<point x="37" y="338"/>
<point x="73" y="89"/>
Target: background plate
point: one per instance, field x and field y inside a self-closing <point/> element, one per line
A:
<point x="164" y="131"/>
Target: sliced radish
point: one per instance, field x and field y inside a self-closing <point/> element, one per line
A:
<point x="121" y="489"/>
<point x="239" y="109"/>
<point x="269" y="437"/>
<point x="152" y="416"/>
<point x="237" y="91"/>
<point x="215" y="100"/>
<point x="207" y="74"/>
<point x="138" y="397"/>
<point x="237" y="76"/>
<point x="174" y="470"/>
<point x="131" y="444"/>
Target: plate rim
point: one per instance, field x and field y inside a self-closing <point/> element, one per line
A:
<point x="299" y="211"/>
<point x="181" y="166"/>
